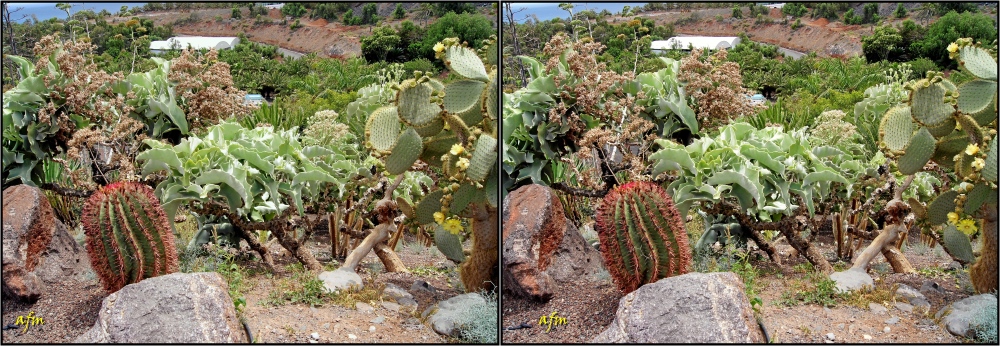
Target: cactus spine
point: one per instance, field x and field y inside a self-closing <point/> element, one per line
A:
<point x="128" y="236"/>
<point x="642" y="235"/>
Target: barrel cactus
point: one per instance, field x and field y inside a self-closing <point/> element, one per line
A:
<point x="128" y="236"/>
<point x="451" y="126"/>
<point x="642" y="235"/>
<point x="955" y="127"/>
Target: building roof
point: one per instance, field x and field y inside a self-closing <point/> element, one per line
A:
<point x="703" y="42"/>
<point x="196" y="42"/>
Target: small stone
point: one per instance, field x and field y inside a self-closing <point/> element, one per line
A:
<point x="313" y="342"/>
<point x="904" y="307"/>
<point x="391" y="306"/>
<point x="840" y="326"/>
<point x="867" y="337"/>
<point x="830" y="336"/>
<point x="364" y="307"/>
<point x="930" y="286"/>
<point x="352" y="336"/>
<point x="314" y="336"/>
<point x="326" y="326"/>
<point x="378" y="320"/>
<point x="877" y="309"/>
<point x="421" y="285"/>
<point x="892" y="321"/>
<point x="371" y="329"/>
<point x="886" y="329"/>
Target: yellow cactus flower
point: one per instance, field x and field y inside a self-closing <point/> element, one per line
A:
<point x="452" y="225"/>
<point x="457" y="149"/>
<point x="953" y="217"/>
<point x="978" y="164"/>
<point x="967" y="226"/>
<point x="438" y="217"/>
<point x="440" y="47"/>
<point x="462" y="164"/>
<point x="972" y="149"/>
<point x="951" y="47"/>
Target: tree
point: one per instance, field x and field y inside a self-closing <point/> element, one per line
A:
<point x="399" y="13"/>
<point x="900" y="11"/>
<point x="870" y="13"/>
<point x="382" y="45"/>
<point x="884" y="43"/>
<point x="236" y="13"/>
<point x="471" y="28"/>
<point x="737" y="12"/>
<point x="369" y="13"/>
<point x="951" y="27"/>
<point x="293" y="9"/>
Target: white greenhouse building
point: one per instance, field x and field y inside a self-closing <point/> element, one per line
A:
<point x="196" y="42"/>
<point x="689" y="42"/>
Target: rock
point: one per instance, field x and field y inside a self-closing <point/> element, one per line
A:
<point x="690" y="308"/>
<point x="892" y="321"/>
<point x="324" y="326"/>
<point x="408" y="302"/>
<point x="444" y="320"/>
<point x="904" y="307"/>
<point x="930" y="286"/>
<point x="913" y="296"/>
<point x="886" y="330"/>
<point x="352" y="336"/>
<point x="953" y="266"/>
<point x="574" y="259"/>
<point x="174" y="308"/>
<point x="533" y="229"/>
<point x="315" y="336"/>
<point x="364" y="308"/>
<point x="867" y="337"/>
<point x="421" y="285"/>
<point x="391" y="306"/>
<point x="28" y="227"/>
<point x="877" y="309"/>
<point x="958" y="316"/>
<point x="396" y="292"/>
<point x="340" y="279"/>
<point x="371" y="329"/>
<point x="850" y="280"/>
<point x="830" y="336"/>
<point x="378" y="320"/>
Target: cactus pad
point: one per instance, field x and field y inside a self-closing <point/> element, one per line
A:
<point x="970" y="126"/>
<point x="449" y="244"/>
<point x="976" y="95"/>
<point x="896" y="128"/>
<point x="937" y="211"/>
<point x="948" y="146"/>
<point x="431" y="129"/>
<point x="978" y="62"/>
<point x="428" y="206"/>
<point x="472" y="116"/>
<point x="465" y="194"/>
<point x="404" y="153"/>
<point x="987" y="115"/>
<point x="918" y="152"/>
<point x="975" y="198"/>
<point x="128" y="236"/>
<point x="405" y="207"/>
<point x="490" y="100"/>
<point x="492" y="193"/>
<point x="957" y="244"/>
<point x="484" y="157"/>
<point x="382" y="128"/>
<point x="943" y="129"/>
<point x="643" y="235"/>
<point x="990" y="170"/>
<point x="458" y="127"/>
<point x="929" y="108"/>
<point x="461" y="95"/>
<point x="415" y="108"/>
<point x="466" y="63"/>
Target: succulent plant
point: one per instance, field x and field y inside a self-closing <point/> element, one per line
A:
<point x="642" y="234"/>
<point x="128" y="236"/>
<point x="453" y="127"/>
<point x="955" y="127"/>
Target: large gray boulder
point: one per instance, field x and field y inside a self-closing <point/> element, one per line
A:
<point x="852" y="280"/>
<point x="959" y="316"/>
<point x="174" y="308"/>
<point x="340" y="279"/>
<point x="28" y="226"/>
<point x="690" y="308"/>
<point x="446" y="319"/>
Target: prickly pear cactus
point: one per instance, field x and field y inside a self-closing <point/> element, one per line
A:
<point x="956" y="128"/>
<point x="643" y="235"/>
<point x="453" y="127"/>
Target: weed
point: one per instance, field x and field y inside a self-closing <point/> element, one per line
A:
<point x="880" y="294"/>
<point x="477" y="323"/>
<point x="370" y="294"/>
<point x="985" y="323"/>
<point x="223" y="261"/>
<point x="428" y="271"/>
<point x="803" y="268"/>
<point x="816" y="289"/>
<point x="302" y="287"/>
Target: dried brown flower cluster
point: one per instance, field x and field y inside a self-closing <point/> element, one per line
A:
<point x="206" y="88"/>
<point x="716" y="85"/>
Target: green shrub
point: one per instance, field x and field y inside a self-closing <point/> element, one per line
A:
<point x="420" y="64"/>
<point x="985" y="323"/>
<point x="920" y="67"/>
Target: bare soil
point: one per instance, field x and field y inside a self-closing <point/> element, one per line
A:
<point x="68" y="309"/>
<point x="589" y="307"/>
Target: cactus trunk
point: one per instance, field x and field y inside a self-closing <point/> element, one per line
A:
<point x="479" y="271"/>
<point x="984" y="272"/>
<point x="642" y="235"/>
<point x="128" y="236"/>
